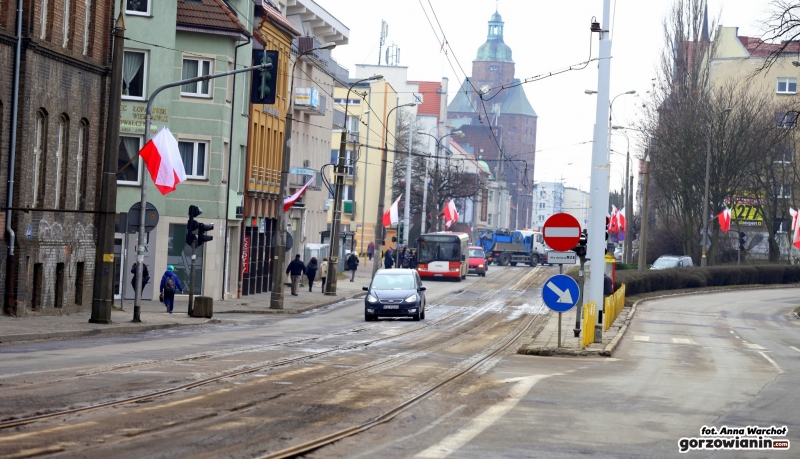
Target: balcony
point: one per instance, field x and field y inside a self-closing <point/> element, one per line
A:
<point x="321" y="57"/>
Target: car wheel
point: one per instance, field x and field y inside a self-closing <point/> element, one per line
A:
<point x="534" y="261"/>
<point x="422" y="315"/>
<point x="416" y="316"/>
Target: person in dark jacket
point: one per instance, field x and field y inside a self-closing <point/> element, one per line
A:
<point x="296" y="269"/>
<point x="145" y="277"/>
<point x="387" y="259"/>
<point x="169" y="284"/>
<point x="608" y="286"/>
<point x="311" y="271"/>
<point x="352" y="265"/>
<point x="371" y="250"/>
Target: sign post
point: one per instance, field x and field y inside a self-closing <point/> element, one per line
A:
<point x="560" y="293"/>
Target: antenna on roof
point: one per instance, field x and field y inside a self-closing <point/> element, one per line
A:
<point x="384" y="33"/>
<point x="392" y="55"/>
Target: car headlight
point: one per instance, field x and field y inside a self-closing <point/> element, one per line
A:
<point x="371" y="299"/>
<point x="411" y="299"/>
<point x="480" y="266"/>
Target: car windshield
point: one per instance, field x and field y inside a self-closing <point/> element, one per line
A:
<point x="665" y="263"/>
<point x="476" y="253"/>
<point x="393" y="282"/>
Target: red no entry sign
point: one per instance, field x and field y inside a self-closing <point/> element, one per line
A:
<point x="561" y="232"/>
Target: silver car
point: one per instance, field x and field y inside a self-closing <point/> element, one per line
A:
<point x="672" y="261"/>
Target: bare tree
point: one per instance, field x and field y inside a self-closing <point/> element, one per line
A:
<point x="781" y="26"/>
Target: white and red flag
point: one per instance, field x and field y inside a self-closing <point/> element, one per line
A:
<point x="795" y="228"/>
<point x="621" y="219"/>
<point x="163" y="160"/>
<point x="613" y="224"/>
<point x="289" y="202"/>
<point x="724" y="218"/>
<point x="450" y="213"/>
<point x="392" y="216"/>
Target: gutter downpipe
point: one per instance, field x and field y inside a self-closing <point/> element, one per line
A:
<point x="12" y="162"/>
<point x="226" y="244"/>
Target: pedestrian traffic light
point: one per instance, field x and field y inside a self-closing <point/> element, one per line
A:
<point x="580" y="249"/>
<point x="400" y="229"/>
<point x="263" y="87"/>
<point x="608" y="223"/>
<point x="191" y="225"/>
<point x="430" y="222"/>
<point x="202" y="229"/>
<point x="742" y="240"/>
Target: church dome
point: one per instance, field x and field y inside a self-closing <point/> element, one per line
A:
<point x="495" y="49"/>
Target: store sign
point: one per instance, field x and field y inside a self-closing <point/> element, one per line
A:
<point x="246" y="255"/>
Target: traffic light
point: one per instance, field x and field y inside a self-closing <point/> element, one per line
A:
<point x="263" y="86"/>
<point x="429" y="225"/>
<point x="400" y="232"/>
<point x="608" y="223"/>
<point x="580" y="249"/>
<point x="191" y="225"/>
<point x="742" y="240"/>
<point x="202" y="229"/>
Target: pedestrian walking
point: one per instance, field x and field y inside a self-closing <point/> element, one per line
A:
<point x="169" y="284"/>
<point x="387" y="259"/>
<point x="311" y="272"/>
<point x="145" y="277"/>
<point x="371" y="250"/>
<point x="296" y="269"/>
<point x="352" y="265"/>
<point x="323" y="272"/>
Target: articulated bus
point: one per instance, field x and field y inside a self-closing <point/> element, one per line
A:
<point x="443" y="255"/>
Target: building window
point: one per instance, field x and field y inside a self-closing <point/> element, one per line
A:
<point x="138" y="7"/>
<point x="58" y="302"/>
<point x="491" y="195"/>
<point x="193" y="68"/>
<point x="134" y="69"/>
<point x="783" y="191"/>
<point x="43" y="19"/>
<point x="128" y="161"/>
<point x="489" y="221"/>
<point x="541" y="218"/>
<point x="87" y="26"/>
<point x="787" y="86"/>
<point x="493" y="68"/>
<point x="62" y="147"/>
<point x="786" y="120"/>
<point x="39" y="157"/>
<point x="194" y="155"/>
<point x="82" y="158"/>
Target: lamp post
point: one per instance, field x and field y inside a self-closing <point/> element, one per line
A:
<point x="337" y="196"/>
<point x="643" y="232"/>
<point x="366" y="173"/>
<point x="626" y="256"/>
<point x="436" y="170"/>
<point x="706" y="210"/>
<point x="382" y="193"/>
<point x="279" y="259"/>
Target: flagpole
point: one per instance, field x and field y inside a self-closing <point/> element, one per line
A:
<point x="140" y="247"/>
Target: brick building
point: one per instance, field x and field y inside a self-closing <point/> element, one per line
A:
<point x="63" y="95"/>
<point x="501" y="118"/>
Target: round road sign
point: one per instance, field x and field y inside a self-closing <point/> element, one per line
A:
<point x="561" y="232"/>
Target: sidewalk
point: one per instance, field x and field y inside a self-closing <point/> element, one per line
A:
<point x="154" y="316"/>
<point x="545" y="342"/>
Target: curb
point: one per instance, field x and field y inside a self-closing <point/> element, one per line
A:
<point x="291" y="311"/>
<point x="99" y="331"/>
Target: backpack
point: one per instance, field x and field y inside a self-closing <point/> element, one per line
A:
<point x="169" y="285"/>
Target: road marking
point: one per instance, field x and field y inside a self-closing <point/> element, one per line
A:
<point x="39" y="432"/>
<point x="682" y="341"/>
<point x="751" y="345"/>
<point x="452" y="443"/>
<point x="780" y="370"/>
<point x="731" y="331"/>
<point x="641" y="338"/>
<point x="737" y="337"/>
<point x="796" y="349"/>
<point x="524" y="279"/>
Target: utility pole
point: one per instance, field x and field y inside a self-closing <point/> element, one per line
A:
<point x="598" y="206"/>
<point x="339" y="172"/>
<point x="643" y="233"/>
<point x="407" y="206"/>
<point x="103" y="288"/>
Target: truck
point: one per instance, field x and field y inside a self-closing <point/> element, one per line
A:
<point x="511" y="247"/>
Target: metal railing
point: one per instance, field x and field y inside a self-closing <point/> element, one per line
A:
<point x="613" y="306"/>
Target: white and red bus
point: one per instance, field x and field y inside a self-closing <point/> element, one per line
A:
<point x="443" y="255"/>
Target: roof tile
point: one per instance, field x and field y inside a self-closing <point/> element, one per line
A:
<point x="209" y="14"/>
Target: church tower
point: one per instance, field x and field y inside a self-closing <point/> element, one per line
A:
<point x="493" y="65"/>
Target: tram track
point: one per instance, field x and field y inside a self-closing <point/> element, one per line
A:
<point x="263" y="365"/>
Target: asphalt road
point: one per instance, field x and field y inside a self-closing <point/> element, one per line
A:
<point x="723" y="359"/>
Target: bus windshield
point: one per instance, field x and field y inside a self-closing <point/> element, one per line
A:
<point x="430" y="251"/>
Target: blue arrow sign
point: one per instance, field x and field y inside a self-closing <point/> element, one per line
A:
<point x="560" y="293"/>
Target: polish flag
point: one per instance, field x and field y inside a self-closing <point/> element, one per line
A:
<point x="795" y="228"/>
<point x="725" y="220"/>
<point x="621" y="219"/>
<point x="450" y="213"/>
<point x="163" y="160"/>
<point x="613" y="225"/>
<point x="289" y="202"/>
<point x="392" y="216"/>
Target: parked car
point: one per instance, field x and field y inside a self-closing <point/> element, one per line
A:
<point x="477" y="261"/>
<point x="672" y="261"/>
<point x="618" y="253"/>
<point x="395" y="293"/>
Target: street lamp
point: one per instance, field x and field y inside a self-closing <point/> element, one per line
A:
<point x="706" y="210"/>
<point x="379" y="229"/>
<point x="628" y="194"/>
<point x="337" y="195"/>
<point x="279" y="259"/>
<point x="436" y="169"/>
<point x="643" y="232"/>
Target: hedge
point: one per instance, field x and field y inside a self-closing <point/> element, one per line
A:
<point x="651" y="280"/>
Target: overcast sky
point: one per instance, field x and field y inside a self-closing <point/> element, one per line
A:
<point x="545" y="36"/>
